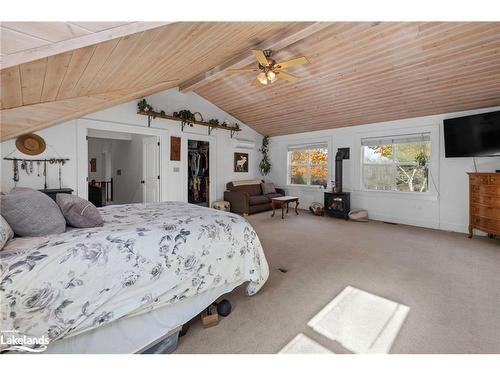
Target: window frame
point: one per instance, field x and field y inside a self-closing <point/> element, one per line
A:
<point x="430" y="191"/>
<point x="306" y="146"/>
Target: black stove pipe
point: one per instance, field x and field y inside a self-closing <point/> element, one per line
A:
<point x="342" y="153"/>
<point x="339" y="157"/>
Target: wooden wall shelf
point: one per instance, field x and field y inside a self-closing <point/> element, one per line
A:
<point x="153" y="114"/>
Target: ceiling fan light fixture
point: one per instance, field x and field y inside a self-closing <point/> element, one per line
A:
<point x="271" y="76"/>
<point x="262" y="78"/>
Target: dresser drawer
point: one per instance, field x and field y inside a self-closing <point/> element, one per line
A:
<point x="488" y="225"/>
<point x="487" y="200"/>
<point x="478" y="179"/>
<point x="493" y="190"/>
<point x="484" y="211"/>
<point x="494" y="179"/>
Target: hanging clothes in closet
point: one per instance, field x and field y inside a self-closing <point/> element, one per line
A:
<point x="198" y="173"/>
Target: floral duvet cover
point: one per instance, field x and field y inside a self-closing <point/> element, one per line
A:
<point x="144" y="257"/>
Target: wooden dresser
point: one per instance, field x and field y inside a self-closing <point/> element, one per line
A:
<point x="484" y="202"/>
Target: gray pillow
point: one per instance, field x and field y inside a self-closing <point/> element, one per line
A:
<point x="31" y="213"/>
<point x="268" y="188"/>
<point x="79" y="213"/>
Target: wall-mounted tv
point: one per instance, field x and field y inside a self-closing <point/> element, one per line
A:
<point x="477" y="135"/>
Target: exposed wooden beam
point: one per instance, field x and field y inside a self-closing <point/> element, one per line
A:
<point x="43" y="51"/>
<point x="293" y="34"/>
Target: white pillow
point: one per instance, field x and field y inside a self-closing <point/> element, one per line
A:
<point x="6" y="232"/>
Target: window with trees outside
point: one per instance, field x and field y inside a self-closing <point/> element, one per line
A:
<point x="308" y="164"/>
<point x="399" y="163"/>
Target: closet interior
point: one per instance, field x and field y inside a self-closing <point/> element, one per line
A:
<point x="198" y="172"/>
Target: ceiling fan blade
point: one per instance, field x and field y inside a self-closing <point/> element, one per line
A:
<point x="284" y="75"/>
<point x="293" y="62"/>
<point x="242" y="70"/>
<point x="261" y="58"/>
<point x="256" y="82"/>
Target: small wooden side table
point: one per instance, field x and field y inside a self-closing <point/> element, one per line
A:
<point x="282" y="202"/>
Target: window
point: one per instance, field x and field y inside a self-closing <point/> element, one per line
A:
<point x="308" y="164"/>
<point x="396" y="163"/>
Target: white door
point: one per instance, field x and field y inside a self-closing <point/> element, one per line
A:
<point x="150" y="170"/>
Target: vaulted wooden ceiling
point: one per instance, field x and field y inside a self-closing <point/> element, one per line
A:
<point x="361" y="73"/>
<point x="54" y="89"/>
<point x="358" y="73"/>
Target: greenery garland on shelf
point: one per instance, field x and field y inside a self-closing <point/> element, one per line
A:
<point x="186" y="116"/>
<point x="265" y="163"/>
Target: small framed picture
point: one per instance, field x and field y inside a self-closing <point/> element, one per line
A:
<point x="240" y="162"/>
<point x="93" y="165"/>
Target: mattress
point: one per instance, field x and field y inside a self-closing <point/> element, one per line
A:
<point x="137" y="333"/>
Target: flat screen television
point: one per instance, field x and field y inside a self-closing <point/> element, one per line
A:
<point x="477" y="135"/>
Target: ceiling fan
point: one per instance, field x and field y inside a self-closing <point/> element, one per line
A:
<point x="269" y="69"/>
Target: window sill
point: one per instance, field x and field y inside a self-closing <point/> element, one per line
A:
<point x="305" y="187"/>
<point x="398" y="194"/>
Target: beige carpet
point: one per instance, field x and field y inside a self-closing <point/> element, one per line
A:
<point x="450" y="283"/>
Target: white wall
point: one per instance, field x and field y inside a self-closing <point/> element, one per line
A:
<point x="66" y="140"/>
<point x="446" y="210"/>
<point x="113" y="155"/>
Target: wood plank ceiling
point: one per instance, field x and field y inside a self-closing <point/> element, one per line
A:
<point x="47" y="91"/>
<point x="362" y="73"/>
<point x="358" y="73"/>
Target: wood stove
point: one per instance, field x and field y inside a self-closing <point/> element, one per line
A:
<point x="338" y="204"/>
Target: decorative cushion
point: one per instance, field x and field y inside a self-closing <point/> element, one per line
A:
<point x="268" y="188"/>
<point x="79" y="212"/>
<point x="31" y="213"/>
<point x="258" y="199"/>
<point x="6" y="232"/>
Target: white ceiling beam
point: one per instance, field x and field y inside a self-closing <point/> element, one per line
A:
<point x="8" y="60"/>
<point x="291" y="35"/>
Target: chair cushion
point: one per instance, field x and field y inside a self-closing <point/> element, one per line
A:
<point x="79" y="212"/>
<point x="6" y="232"/>
<point x="258" y="199"/>
<point x="31" y="213"/>
<point x="274" y="195"/>
<point x="268" y="188"/>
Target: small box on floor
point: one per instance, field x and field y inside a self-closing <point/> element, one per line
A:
<point x="209" y="317"/>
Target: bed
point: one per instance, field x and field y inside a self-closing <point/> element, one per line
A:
<point x="119" y="287"/>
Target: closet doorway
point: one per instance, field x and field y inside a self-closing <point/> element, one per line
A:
<point x="198" y="184"/>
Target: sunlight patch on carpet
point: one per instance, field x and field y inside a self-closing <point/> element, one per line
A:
<point x="301" y="344"/>
<point x="360" y="321"/>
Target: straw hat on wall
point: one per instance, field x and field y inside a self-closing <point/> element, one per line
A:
<point x="30" y="144"/>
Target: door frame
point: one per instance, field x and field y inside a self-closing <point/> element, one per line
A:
<point x="82" y="165"/>
<point x="212" y="147"/>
